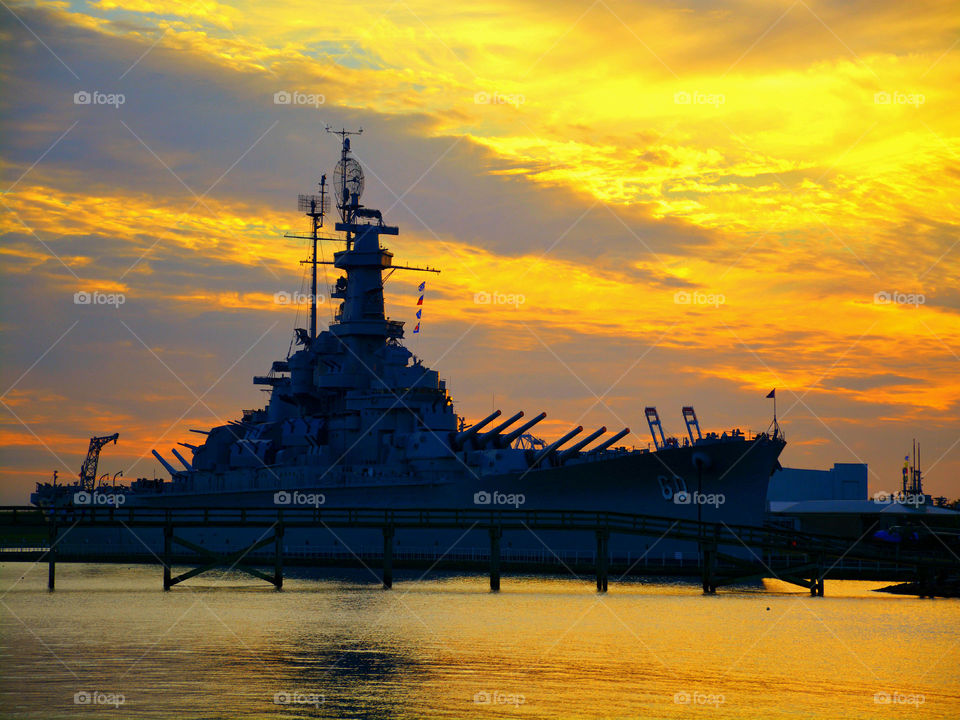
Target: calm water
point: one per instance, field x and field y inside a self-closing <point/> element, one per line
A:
<point x="223" y="646"/>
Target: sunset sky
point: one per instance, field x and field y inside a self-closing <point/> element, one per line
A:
<point x="686" y="203"/>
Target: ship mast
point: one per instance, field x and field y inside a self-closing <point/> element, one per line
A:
<point x="314" y="207"/>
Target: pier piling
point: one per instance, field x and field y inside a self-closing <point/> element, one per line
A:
<point x="388" y="532"/>
<point x="278" y="556"/>
<point x="52" y="554"/>
<point x="603" y="559"/>
<point x="495" y="535"/>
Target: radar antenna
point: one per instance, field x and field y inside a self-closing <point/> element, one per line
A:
<point x="347" y="178"/>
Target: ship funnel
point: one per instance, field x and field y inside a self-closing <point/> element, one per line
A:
<point x="604" y="445"/>
<point x="574" y="449"/>
<point x="183" y="462"/>
<point x="490" y="434"/>
<point x="465" y="435"/>
<point x="554" y="446"/>
<point x="170" y="469"/>
<point x="514" y="434"/>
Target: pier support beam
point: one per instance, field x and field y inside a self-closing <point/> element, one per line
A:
<point x="52" y="553"/>
<point x="388" y="532"/>
<point x="167" y="543"/>
<point x="708" y="566"/>
<point x="603" y="559"/>
<point x="278" y="556"/>
<point x="495" y="534"/>
<point x="816" y="585"/>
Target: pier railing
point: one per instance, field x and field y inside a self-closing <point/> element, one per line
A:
<point x="814" y="555"/>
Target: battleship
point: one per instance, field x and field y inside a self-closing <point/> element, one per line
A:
<point x="355" y="419"/>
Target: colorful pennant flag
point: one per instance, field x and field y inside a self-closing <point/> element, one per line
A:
<point x="419" y="312"/>
<point x="422" y="286"/>
<point x="416" y="329"/>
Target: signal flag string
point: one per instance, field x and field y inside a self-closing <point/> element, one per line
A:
<point x="423" y="285"/>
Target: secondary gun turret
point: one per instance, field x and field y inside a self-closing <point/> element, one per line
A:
<point x="553" y="447"/>
<point x="461" y="437"/>
<point x="492" y="434"/>
<point x="574" y="449"/>
<point x="505" y="440"/>
<point x="604" y="445"/>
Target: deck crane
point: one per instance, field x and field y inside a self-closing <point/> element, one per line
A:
<point x="88" y="471"/>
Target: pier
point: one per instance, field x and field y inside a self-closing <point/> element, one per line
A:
<point x="799" y="558"/>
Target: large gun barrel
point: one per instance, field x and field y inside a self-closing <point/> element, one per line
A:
<point x="574" y="449"/>
<point x="554" y="446"/>
<point x="604" y="445"/>
<point x="170" y="469"/>
<point x="490" y="434"/>
<point x="465" y="435"/>
<point x="180" y="457"/>
<point x="513" y="435"/>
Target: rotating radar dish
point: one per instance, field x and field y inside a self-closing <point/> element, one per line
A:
<point x="348" y="180"/>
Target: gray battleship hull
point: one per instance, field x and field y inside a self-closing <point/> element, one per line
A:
<point x="666" y="483"/>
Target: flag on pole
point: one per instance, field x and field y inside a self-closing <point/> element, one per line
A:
<point x="420" y="301"/>
<point x="419" y="312"/>
<point x="416" y="329"/>
<point x="422" y="286"/>
<point x="772" y="394"/>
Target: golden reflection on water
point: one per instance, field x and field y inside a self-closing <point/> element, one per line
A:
<point x="225" y="647"/>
